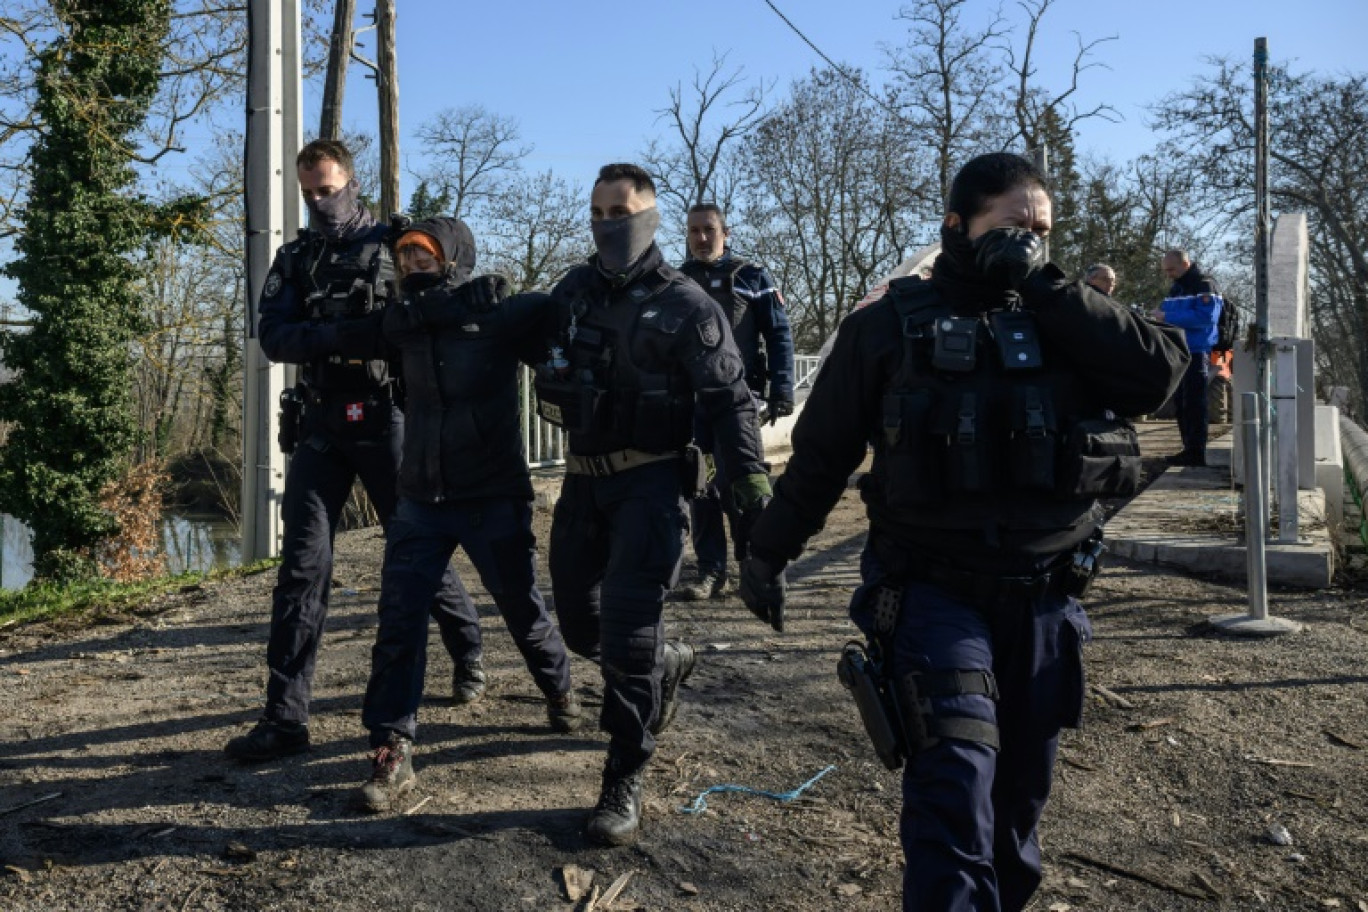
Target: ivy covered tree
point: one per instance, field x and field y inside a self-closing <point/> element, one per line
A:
<point x="71" y="427"/>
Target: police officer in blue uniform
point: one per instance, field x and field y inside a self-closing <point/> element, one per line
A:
<point x="319" y="308"/>
<point x="989" y="394"/>
<point x="635" y="349"/>
<point x="755" y="309"/>
<point x="463" y="482"/>
<point x="1195" y="304"/>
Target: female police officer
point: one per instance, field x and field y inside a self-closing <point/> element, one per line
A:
<point x="989" y="394"/>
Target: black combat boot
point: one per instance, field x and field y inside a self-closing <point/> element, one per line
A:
<point x="617" y="816"/>
<point x="679" y="664"/>
<point x="564" y="712"/>
<point x="269" y="741"/>
<point x="391" y="775"/>
<point x="467" y="682"/>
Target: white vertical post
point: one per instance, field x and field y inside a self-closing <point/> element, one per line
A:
<point x="1285" y="449"/>
<point x="272" y="217"/>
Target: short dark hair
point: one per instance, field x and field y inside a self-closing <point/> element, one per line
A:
<point x="713" y="208"/>
<point x="321" y="150"/>
<point x="624" y="171"/>
<point x="991" y="175"/>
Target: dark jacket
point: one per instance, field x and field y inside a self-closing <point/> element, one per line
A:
<point x="459" y="348"/>
<point x="1121" y="361"/>
<point x="759" y="323"/>
<point x="659" y="328"/>
<point x="1192" y="282"/>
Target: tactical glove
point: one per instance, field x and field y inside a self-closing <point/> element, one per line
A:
<point x="750" y="493"/>
<point x="1007" y="257"/>
<point x="779" y="408"/>
<point x="359" y="339"/>
<point x="764" y="591"/>
<point x="483" y="293"/>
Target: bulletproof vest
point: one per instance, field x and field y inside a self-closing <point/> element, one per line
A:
<point x="343" y="280"/>
<point x="975" y="416"/>
<point x="719" y="281"/>
<point x="603" y="397"/>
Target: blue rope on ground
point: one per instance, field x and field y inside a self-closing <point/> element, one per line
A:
<point x="700" y="804"/>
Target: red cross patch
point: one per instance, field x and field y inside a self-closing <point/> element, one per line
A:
<point x="356" y="411"/>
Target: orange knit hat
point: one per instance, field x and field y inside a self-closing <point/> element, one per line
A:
<point x="424" y="240"/>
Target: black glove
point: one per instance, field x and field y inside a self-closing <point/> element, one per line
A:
<point x="483" y="293"/>
<point x="1006" y="257"/>
<point x="764" y="590"/>
<point x="779" y="408"/>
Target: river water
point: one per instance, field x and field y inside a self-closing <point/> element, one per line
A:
<point x="190" y="542"/>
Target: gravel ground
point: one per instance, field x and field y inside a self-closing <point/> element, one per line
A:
<point x="1200" y="756"/>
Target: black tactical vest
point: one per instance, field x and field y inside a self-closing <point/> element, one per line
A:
<point x="977" y="427"/>
<point x="603" y="397"/>
<point x="343" y="280"/>
<point x="719" y="281"/>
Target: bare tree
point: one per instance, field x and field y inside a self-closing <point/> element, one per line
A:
<point x="472" y="150"/>
<point x="536" y="229"/>
<point x="1318" y="163"/>
<point x="948" y="82"/>
<point x="834" y="194"/>
<point x="707" y="123"/>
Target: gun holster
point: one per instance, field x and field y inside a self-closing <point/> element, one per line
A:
<point x="291" y="418"/>
<point x="693" y="468"/>
<point x="876" y="701"/>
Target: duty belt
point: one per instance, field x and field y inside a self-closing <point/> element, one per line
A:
<point x="605" y="464"/>
<point x="984" y="590"/>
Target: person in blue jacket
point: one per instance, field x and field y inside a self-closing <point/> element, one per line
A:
<point x="1194" y="303"/>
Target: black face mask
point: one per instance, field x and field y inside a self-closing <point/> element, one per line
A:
<point x="1007" y="257"/>
<point x="330" y="215"/>
<point x="622" y="241"/>
<point x="416" y="282"/>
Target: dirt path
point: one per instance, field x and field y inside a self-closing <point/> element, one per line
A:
<point x="1196" y="748"/>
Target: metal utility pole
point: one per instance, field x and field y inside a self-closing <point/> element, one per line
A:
<point x="387" y="84"/>
<point x="273" y="211"/>
<point x="335" y="83"/>
<point x="1262" y="233"/>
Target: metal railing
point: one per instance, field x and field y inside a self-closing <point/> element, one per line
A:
<point x="544" y="443"/>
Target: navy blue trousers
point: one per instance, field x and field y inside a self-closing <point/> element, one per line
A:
<point x="496" y="535"/>
<point x="616" y="546"/>
<point x="969" y="816"/>
<point x="317" y="485"/>
<point x="1190" y="405"/>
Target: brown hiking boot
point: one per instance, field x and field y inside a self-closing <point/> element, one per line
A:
<point x="391" y="775"/>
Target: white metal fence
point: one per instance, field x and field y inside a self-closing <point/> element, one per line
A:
<point x="544" y="443"/>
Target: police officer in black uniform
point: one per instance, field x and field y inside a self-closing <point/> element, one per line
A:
<point x="463" y="482"/>
<point x="989" y="394"/>
<point x="636" y="348"/>
<point x="320" y="308"/>
<point x="755" y="309"/>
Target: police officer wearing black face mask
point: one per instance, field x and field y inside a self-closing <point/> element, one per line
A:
<point x="320" y="308"/>
<point x="989" y="394"/>
<point x="760" y="328"/>
<point x="637" y="347"/>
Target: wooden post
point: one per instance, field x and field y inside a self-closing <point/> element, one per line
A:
<point x="387" y="83"/>
<point x="335" y="84"/>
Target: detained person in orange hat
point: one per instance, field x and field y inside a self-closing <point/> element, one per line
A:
<point x="463" y="481"/>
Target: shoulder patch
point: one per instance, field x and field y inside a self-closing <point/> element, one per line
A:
<point x="272" y="286"/>
<point x="710" y="333"/>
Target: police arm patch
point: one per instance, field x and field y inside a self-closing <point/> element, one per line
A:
<point x="272" y="286"/>
<point x="709" y="332"/>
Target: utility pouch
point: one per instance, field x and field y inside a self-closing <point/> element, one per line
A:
<point x="915" y="457"/>
<point x="357" y="416"/>
<point x="955" y="344"/>
<point x="1100" y="458"/>
<point x="657" y="417"/>
<point x="877" y="706"/>
<point x="693" y="472"/>
<point x="968" y="463"/>
<point x="1031" y="448"/>
<point x="291" y="417"/>
<point x="566" y="403"/>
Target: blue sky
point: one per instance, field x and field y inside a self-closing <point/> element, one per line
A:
<point x="585" y="78"/>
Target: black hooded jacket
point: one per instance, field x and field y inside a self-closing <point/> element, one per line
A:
<point x="460" y="341"/>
